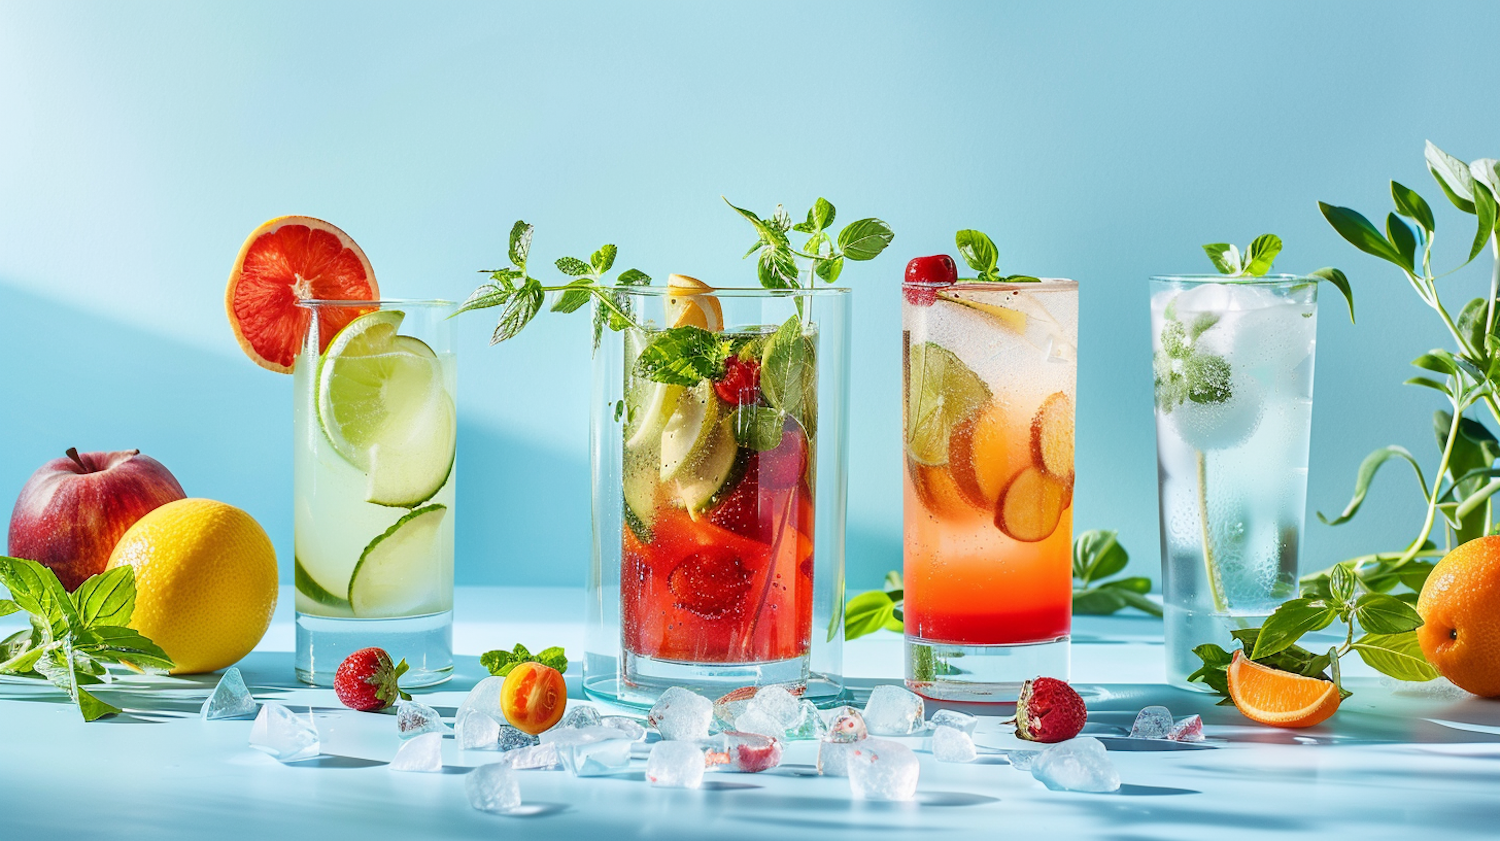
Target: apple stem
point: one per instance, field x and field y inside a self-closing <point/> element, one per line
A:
<point x="73" y="454"/>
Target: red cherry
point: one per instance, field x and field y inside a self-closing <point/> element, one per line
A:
<point x="741" y="382"/>
<point x="923" y="277"/>
<point x="783" y="466"/>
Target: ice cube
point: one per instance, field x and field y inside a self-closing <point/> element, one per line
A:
<point x="758" y="721"/>
<point x="745" y="752"/>
<point x="423" y="753"/>
<point x="833" y="757"/>
<point x="285" y="735"/>
<point x="955" y="719"/>
<point x="511" y="738"/>
<point x="950" y="744"/>
<point x="563" y="738"/>
<point x="475" y="730"/>
<point x="1226" y="424"/>
<point x="593" y="759"/>
<point x="493" y="788"/>
<point x="846" y="725"/>
<point x="1153" y="722"/>
<point x="681" y="715"/>
<point x="1022" y="759"/>
<point x="534" y="757"/>
<point x="725" y="712"/>
<point x="414" y="719"/>
<point x="230" y="699"/>
<point x="580" y="716"/>
<point x="676" y="764"/>
<point x="1189" y="729"/>
<point x="780" y="705"/>
<point x="893" y="711"/>
<point x="880" y="769"/>
<point x="809" y="725"/>
<point x="485" y="698"/>
<point x="632" y="729"/>
<point x="1080" y="764"/>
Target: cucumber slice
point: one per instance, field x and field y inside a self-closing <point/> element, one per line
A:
<point x="639" y="478"/>
<point x="689" y="430"/>
<point x="399" y="573"/>
<point x="657" y="410"/>
<point x="383" y="404"/>
<point x="309" y="587"/>
<point x="699" y="482"/>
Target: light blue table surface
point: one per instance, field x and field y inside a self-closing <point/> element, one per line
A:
<point x="1394" y="762"/>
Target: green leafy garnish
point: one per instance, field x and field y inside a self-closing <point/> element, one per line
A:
<point x="74" y="636"/>
<point x="1181" y="370"/>
<point x="776" y="259"/>
<point x="500" y="662"/>
<point x="1257" y="259"/>
<point x="980" y="253"/>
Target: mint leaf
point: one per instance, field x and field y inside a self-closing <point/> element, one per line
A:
<point x="501" y="662"/>
<point x="788" y="373"/>
<point x="865" y="239"/>
<point x="1214" y="672"/>
<point x="979" y="251"/>
<point x="36" y="590"/>
<point x="1224" y="256"/>
<point x="1484" y="213"/>
<point x="1261" y="254"/>
<point x="821" y="214"/>
<point x="7" y="607"/>
<point x="603" y="259"/>
<point x="1357" y="230"/>
<point x="519" y="309"/>
<point x="572" y="266"/>
<point x="1207" y="378"/>
<point x="1404" y="241"/>
<point x="1342" y="583"/>
<point x="486" y="296"/>
<point x="757" y="427"/>
<point x="1397" y="655"/>
<point x="777" y="268"/>
<point x="829" y="270"/>
<point x="1294" y="618"/>
<point x="520" y="243"/>
<point x="684" y="356"/>
<point x="107" y="598"/>
<point x="117" y="644"/>
<point x="554" y="657"/>
<point x="578" y="293"/>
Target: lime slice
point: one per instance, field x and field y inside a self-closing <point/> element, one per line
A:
<point x="943" y="392"/>
<point x="701" y="479"/>
<point x="639" y="480"/>
<point x="384" y="407"/>
<point x="309" y="587"/>
<point x="400" y="572"/>
<point x="656" y="412"/>
<point x="689" y="430"/>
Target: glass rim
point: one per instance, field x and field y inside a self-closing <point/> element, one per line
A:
<point x="311" y="303"/>
<point x="734" y="291"/>
<point x="1263" y="280"/>
<point x="970" y="284"/>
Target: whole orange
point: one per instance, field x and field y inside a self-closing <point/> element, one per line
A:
<point x="1460" y="608"/>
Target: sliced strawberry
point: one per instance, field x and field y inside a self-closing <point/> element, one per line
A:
<point x="783" y="466"/>
<point x="741" y="382"/>
<point x="711" y="583"/>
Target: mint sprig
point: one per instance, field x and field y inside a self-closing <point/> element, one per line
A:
<point x="500" y="662"/>
<point x="74" y="637"/>
<point x="777" y="264"/>
<point x="980" y="253"/>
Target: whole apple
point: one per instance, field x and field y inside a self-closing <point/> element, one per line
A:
<point x="72" y="511"/>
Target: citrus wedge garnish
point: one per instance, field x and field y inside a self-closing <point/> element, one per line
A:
<point x="288" y="259"/>
<point x="399" y="573"/>
<point x="1280" y="699"/>
<point x="943" y="392"/>
<point x="690" y="430"/>
<point x="385" y="409"/>
<point x="688" y="304"/>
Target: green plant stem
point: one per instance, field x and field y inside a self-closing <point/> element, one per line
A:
<point x="1210" y="568"/>
<point x="1416" y="545"/>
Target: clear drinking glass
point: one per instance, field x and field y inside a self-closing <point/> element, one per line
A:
<point x="375" y="434"/>
<point x="989" y="376"/>
<point x="1233" y="369"/>
<point x="718" y="506"/>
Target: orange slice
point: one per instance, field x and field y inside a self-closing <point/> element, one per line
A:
<point x="1280" y="699"/>
<point x="284" y="260"/>
<point x="986" y="451"/>
<point x="688" y="304"/>
<point x="1032" y="505"/>
<point x="1052" y="437"/>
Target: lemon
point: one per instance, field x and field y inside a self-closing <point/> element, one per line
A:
<point x="205" y="580"/>
<point x="943" y="392"/>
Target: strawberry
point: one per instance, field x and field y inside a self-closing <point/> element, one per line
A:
<point x="924" y="275"/>
<point x="711" y="582"/>
<point x="366" y="680"/>
<point x="740" y="511"/>
<point x="783" y="466"/>
<point x="1049" y="710"/>
<point x="741" y="382"/>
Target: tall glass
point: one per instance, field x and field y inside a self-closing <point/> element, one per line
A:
<point x="719" y="500"/>
<point x="988" y="389"/>
<point x="375" y="434"/>
<point x="1233" y="369"/>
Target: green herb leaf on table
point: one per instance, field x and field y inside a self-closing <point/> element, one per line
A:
<point x="500" y="662"/>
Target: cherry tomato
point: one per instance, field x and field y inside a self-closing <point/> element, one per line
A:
<point x="533" y="697"/>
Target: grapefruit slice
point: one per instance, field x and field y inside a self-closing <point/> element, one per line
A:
<point x="1280" y="699"/>
<point x="986" y="451"/>
<point x="283" y="261"/>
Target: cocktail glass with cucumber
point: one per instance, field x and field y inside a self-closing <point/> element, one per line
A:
<point x="375" y="430"/>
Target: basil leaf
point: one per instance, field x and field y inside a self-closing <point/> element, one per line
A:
<point x="123" y="645"/>
<point x="1397" y="655"/>
<point x="867" y="613"/>
<point x="1261" y="254"/>
<point x="1098" y="554"/>
<point x="1413" y="206"/>
<point x="107" y="598"/>
<point x="37" y="591"/>
<point x="1358" y="231"/>
<point x="1341" y="283"/>
<point x="554" y="657"/>
<point x="1381" y="614"/>
<point x="1484" y="212"/>
<point x="7" y="607"/>
<point x="865" y="239"/>
<point x="1452" y="175"/>
<point x="1214" y="672"/>
<point x="978" y="250"/>
<point x="1403" y="239"/>
<point x="520" y="243"/>
<point x="1097" y="602"/>
<point x="777" y="269"/>
<point x="1366" y="475"/>
<point x="757" y="427"/>
<point x="1225" y="257"/>
<point x="1289" y="623"/>
<point x="829" y="270"/>
<point x="1342" y="583"/>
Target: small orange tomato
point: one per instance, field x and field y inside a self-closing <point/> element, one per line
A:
<point x="533" y="697"/>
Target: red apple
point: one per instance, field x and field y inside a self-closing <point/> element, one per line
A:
<point x="72" y="511"/>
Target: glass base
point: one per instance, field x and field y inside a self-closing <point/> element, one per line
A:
<point x="981" y="673"/>
<point x="644" y="679"/>
<point x="424" y="642"/>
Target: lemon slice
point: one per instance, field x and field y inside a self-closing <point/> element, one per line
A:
<point x="942" y="393"/>
<point x="687" y="304"/>
<point x="385" y="409"/>
<point x="400" y="572"/>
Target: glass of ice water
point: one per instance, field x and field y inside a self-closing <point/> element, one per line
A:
<point x="1233" y="369"/>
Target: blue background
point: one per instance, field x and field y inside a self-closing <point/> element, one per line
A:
<point x="140" y="143"/>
